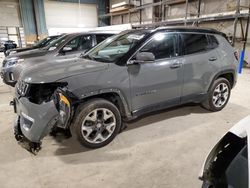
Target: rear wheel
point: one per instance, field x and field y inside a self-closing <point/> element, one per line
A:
<point x="97" y="123"/>
<point x="218" y="95"/>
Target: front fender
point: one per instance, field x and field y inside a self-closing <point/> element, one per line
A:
<point x="110" y="91"/>
<point x="68" y="114"/>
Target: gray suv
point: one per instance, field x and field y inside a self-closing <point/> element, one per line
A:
<point x="125" y="76"/>
<point x="67" y="46"/>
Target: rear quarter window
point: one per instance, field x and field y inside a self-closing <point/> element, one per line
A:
<point x="213" y="42"/>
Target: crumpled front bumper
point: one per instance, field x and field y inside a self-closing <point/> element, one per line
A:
<point x="34" y="120"/>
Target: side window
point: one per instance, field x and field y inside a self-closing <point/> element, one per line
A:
<point x="213" y="42"/>
<point x="100" y="38"/>
<point x="74" y="43"/>
<point x="194" y="43"/>
<point x="86" y="42"/>
<point x="162" y="46"/>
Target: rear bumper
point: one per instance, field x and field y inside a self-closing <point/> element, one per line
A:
<point x="34" y="120"/>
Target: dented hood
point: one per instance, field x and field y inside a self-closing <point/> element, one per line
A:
<point x="58" y="69"/>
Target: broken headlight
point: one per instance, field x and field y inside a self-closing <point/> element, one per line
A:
<point x="63" y="105"/>
<point x="40" y="93"/>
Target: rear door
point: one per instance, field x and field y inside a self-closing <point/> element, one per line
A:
<point x="201" y="62"/>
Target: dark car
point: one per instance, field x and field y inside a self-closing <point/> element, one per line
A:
<point x="8" y="45"/>
<point x="66" y="47"/>
<point x="42" y="43"/>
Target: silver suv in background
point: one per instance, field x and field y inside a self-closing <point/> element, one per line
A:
<point x="125" y="76"/>
<point x="66" y="47"/>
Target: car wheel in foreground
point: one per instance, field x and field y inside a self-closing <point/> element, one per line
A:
<point x="218" y="95"/>
<point x="97" y="123"/>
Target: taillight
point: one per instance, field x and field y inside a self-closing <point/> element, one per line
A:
<point x="236" y="55"/>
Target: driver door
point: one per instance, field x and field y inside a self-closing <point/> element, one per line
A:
<point x="158" y="84"/>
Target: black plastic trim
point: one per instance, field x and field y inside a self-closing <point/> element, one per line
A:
<point x="156" y="107"/>
<point x="222" y="73"/>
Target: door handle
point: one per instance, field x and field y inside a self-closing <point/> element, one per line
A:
<point x="212" y="59"/>
<point x="175" y="65"/>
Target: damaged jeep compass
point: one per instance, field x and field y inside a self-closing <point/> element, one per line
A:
<point x="125" y="76"/>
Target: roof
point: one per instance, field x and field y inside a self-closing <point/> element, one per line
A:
<point x="105" y="31"/>
<point x="190" y="29"/>
<point x="150" y="30"/>
<point x="91" y="32"/>
<point x="177" y="29"/>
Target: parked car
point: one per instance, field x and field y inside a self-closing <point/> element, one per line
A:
<point x="66" y="47"/>
<point x="227" y="164"/>
<point x="8" y="45"/>
<point x="125" y="76"/>
<point x="42" y="43"/>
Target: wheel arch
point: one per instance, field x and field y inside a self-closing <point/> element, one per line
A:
<point x="228" y="74"/>
<point x="113" y="95"/>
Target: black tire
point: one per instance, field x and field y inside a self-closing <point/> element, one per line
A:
<point x="208" y="102"/>
<point x="84" y="109"/>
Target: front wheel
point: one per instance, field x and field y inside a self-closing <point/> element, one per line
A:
<point x="97" y="123"/>
<point x="218" y="95"/>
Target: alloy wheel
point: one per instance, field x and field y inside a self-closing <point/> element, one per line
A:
<point x="220" y="95"/>
<point x="98" y="125"/>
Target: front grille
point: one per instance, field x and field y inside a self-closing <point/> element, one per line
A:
<point x="22" y="88"/>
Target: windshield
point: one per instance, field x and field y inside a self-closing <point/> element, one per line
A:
<point x="55" y="43"/>
<point x="45" y="41"/>
<point x="114" y="47"/>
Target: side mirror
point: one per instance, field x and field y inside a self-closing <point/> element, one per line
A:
<point x="66" y="49"/>
<point x="144" y="57"/>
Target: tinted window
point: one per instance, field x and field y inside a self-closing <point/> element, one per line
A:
<point x="213" y="43"/>
<point x="86" y="42"/>
<point x="80" y="43"/>
<point x="194" y="43"/>
<point x="45" y="41"/>
<point x="100" y="38"/>
<point x="162" y="46"/>
<point x="74" y="43"/>
<point x="55" y="43"/>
